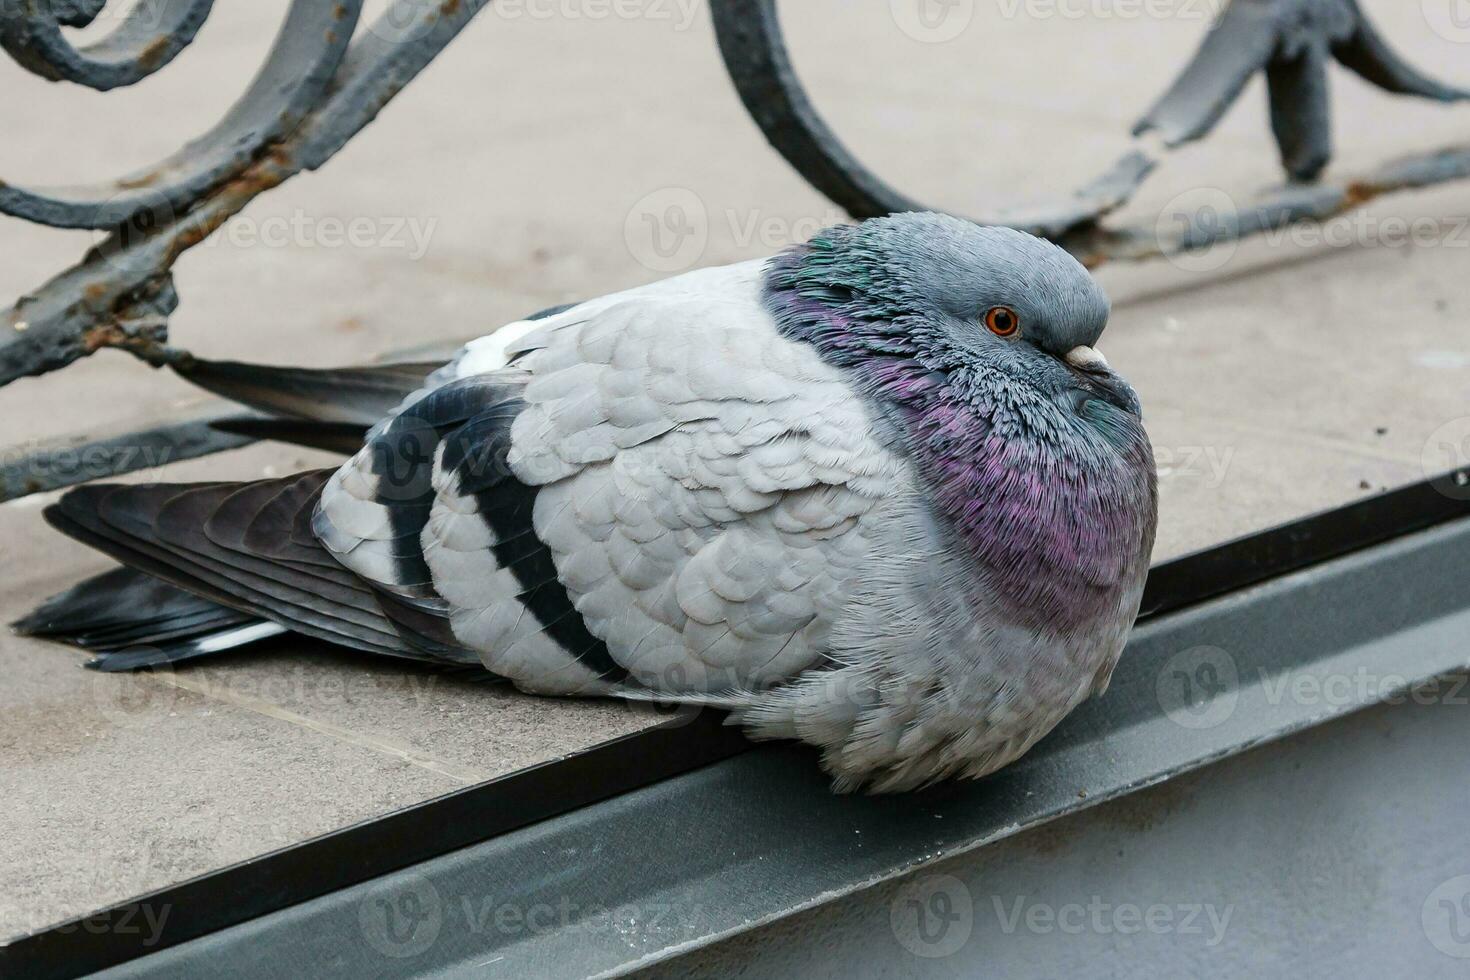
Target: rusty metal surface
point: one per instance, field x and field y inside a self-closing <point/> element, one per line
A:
<point x="315" y="92"/>
<point x="149" y="38"/>
<point x="307" y="52"/>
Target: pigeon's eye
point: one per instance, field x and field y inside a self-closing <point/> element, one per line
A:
<point x="1002" y="321"/>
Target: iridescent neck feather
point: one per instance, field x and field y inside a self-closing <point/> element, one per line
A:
<point x="1055" y="507"/>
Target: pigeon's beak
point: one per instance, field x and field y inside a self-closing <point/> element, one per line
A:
<point x="1098" y="376"/>
<point x="1087" y="359"/>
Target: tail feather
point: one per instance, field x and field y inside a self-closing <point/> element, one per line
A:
<point x="205" y="645"/>
<point x="161" y="531"/>
<point x="130" y="620"/>
<point x="124" y="607"/>
<point x="213" y="567"/>
<point x="355" y="396"/>
<point x="334" y="437"/>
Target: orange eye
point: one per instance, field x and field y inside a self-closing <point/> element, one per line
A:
<point x="1002" y="321"/>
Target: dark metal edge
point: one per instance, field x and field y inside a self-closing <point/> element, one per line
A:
<point x="1318" y="538"/>
<point x="439" y="826"/>
<point x="372" y="848"/>
<point x="736" y="847"/>
<point x="60" y="463"/>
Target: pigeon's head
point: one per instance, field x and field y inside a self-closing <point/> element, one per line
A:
<point x="956" y="297"/>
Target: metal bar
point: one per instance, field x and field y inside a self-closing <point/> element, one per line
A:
<point x="66" y="462"/>
<point x="737" y="846"/>
<point x="354" y="854"/>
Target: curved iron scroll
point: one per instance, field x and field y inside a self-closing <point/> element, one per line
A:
<point x="306" y="53"/>
<point x="317" y="88"/>
<point x="148" y="39"/>
<point x="1291" y="41"/>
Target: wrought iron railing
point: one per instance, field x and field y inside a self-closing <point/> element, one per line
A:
<point x="324" y="80"/>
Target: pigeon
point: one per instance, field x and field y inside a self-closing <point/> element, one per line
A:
<point x="879" y="493"/>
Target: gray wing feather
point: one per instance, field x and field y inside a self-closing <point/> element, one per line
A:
<point x="703" y="485"/>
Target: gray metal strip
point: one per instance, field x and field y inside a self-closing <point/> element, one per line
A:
<point x="59" y="463"/>
<point x="741" y="844"/>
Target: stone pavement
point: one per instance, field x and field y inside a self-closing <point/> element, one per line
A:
<point x="530" y="166"/>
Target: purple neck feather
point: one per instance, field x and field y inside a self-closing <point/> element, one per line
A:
<point x="1058" y="517"/>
